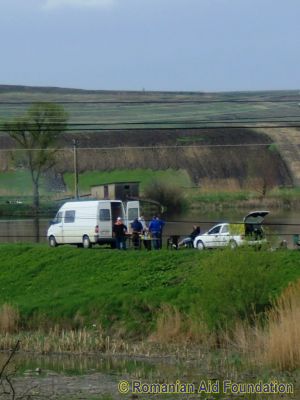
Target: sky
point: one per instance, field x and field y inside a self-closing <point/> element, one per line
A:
<point x="174" y="45"/>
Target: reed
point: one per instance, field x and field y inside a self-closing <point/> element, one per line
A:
<point x="175" y="327"/>
<point x="274" y="342"/>
<point x="281" y="338"/>
<point x="9" y="318"/>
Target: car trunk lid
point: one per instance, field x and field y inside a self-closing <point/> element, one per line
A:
<point x="255" y="217"/>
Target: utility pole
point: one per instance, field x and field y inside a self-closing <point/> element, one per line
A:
<point x="75" y="169"/>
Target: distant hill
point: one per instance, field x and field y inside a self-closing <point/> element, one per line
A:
<point x="208" y="134"/>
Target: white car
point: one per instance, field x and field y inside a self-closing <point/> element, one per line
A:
<point x="249" y="232"/>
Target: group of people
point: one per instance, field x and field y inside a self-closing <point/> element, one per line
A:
<point x="150" y="236"/>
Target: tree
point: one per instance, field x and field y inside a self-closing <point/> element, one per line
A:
<point x="37" y="133"/>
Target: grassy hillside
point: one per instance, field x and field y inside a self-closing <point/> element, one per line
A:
<point x="128" y="291"/>
<point x="153" y="109"/>
<point x="144" y="176"/>
<point x="197" y="131"/>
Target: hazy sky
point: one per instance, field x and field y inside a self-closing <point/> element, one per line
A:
<point x="194" y="45"/>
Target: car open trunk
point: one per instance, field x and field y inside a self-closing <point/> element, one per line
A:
<point x="253" y="223"/>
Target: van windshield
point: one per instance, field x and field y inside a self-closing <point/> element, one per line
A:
<point x="58" y="218"/>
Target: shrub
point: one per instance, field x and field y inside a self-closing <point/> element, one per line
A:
<point x="168" y="195"/>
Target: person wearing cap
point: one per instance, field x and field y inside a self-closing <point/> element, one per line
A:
<point x="119" y="232"/>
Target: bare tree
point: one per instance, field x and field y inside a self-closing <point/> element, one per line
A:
<point x="6" y="385"/>
<point x="37" y="133"/>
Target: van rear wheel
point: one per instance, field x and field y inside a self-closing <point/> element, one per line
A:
<point x="86" y="243"/>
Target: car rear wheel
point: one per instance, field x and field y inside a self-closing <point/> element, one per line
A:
<point x="233" y="244"/>
<point x="86" y="243"/>
<point x="200" y="245"/>
<point x="52" y="241"/>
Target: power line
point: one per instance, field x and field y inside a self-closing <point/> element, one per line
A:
<point x="141" y="102"/>
<point x="119" y="148"/>
<point x="177" y="123"/>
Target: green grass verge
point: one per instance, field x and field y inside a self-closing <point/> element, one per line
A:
<point x="15" y="183"/>
<point x="126" y="290"/>
<point x="196" y="196"/>
<point x="18" y="183"/>
<point x="145" y="176"/>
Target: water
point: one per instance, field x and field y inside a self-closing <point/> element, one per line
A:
<point x="279" y="224"/>
<point x="92" y="377"/>
<point x="22" y="230"/>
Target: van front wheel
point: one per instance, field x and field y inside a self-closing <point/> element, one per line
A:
<point x="86" y="243"/>
<point x="52" y="241"/>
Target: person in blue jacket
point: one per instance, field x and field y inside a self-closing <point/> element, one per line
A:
<point x="156" y="228"/>
<point x="137" y="229"/>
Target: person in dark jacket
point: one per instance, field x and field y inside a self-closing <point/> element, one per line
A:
<point x="137" y="229"/>
<point x="119" y="232"/>
<point x="188" y="241"/>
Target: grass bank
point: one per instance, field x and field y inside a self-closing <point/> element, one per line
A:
<point x="127" y="292"/>
<point x="167" y="302"/>
<point x="144" y="176"/>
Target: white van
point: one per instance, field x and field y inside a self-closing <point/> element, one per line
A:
<point x="90" y="222"/>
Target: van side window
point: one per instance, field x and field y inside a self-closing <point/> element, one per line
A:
<point x="133" y="213"/>
<point x="104" y="214"/>
<point x="69" y="216"/>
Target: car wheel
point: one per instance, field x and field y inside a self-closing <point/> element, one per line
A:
<point x="200" y="245"/>
<point x="86" y="243"/>
<point x="233" y="244"/>
<point x="52" y="241"/>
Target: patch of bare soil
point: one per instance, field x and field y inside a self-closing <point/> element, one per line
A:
<point x="51" y="385"/>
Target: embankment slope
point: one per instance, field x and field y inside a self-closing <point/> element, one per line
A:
<point x="127" y="291"/>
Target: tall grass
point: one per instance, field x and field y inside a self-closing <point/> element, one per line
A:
<point x="173" y="326"/>
<point x="9" y="319"/>
<point x="281" y="337"/>
<point x="275" y="341"/>
<point x="271" y="341"/>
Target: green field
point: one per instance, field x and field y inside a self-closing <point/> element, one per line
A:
<point x="120" y="110"/>
<point x="125" y="112"/>
<point x="18" y="183"/>
<point x="128" y="290"/>
<point x="144" y="176"/>
<point x="15" y="183"/>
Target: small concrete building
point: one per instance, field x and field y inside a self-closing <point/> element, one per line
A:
<point x="116" y="191"/>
